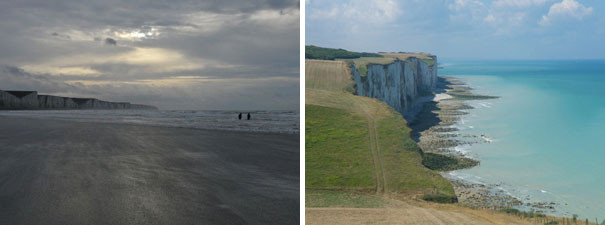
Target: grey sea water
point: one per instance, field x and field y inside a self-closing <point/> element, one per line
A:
<point x="261" y="121"/>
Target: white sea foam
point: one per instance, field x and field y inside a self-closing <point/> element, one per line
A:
<point x="442" y="96"/>
<point x="486" y="139"/>
<point x="466" y="177"/>
<point x="261" y="121"/>
<point x="484" y="105"/>
<point x="461" y="149"/>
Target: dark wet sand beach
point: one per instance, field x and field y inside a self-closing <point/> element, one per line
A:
<point x="60" y="172"/>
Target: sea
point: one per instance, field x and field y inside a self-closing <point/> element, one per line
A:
<point x="545" y="135"/>
<point x="261" y="121"/>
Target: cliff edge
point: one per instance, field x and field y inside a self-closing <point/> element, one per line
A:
<point x="403" y="83"/>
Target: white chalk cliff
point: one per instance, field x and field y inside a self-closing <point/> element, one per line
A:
<point x="401" y="84"/>
<point x="31" y="100"/>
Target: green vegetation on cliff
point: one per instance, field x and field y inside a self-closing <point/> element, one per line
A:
<point x="314" y="52"/>
<point x="447" y="163"/>
<point x="361" y="64"/>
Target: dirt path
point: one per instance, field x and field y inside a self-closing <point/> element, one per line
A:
<point x="409" y="214"/>
<point x="377" y="143"/>
<point x="372" y="114"/>
<point x="379" y="186"/>
<point x="376" y="156"/>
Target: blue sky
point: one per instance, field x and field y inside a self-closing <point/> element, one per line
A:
<point x="462" y="29"/>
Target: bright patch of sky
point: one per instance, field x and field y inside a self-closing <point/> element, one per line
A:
<point x="462" y="29"/>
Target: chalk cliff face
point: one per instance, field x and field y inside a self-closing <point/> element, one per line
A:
<point x="31" y="100"/>
<point x="19" y="99"/>
<point x="401" y="84"/>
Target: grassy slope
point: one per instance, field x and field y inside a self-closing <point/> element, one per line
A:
<point x="337" y="150"/>
<point x="357" y="144"/>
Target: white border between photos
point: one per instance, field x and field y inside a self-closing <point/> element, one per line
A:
<point x="302" y="110"/>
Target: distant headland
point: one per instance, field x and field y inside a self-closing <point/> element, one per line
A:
<point x="30" y="100"/>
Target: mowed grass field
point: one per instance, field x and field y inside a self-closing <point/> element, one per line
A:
<point x="357" y="145"/>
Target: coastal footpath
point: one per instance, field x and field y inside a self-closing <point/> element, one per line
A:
<point x="30" y="100"/>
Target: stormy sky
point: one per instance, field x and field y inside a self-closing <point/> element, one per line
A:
<point x="175" y="54"/>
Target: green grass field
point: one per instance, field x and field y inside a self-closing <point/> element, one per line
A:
<point x="329" y="198"/>
<point x="337" y="155"/>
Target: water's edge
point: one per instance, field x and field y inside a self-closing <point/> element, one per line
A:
<point x="286" y="122"/>
<point x="436" y="130"/>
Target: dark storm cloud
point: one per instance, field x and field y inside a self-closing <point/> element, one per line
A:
<point x="131" y="13"/>
<point x="14" y="78"/>
<point x="242" y="41"/>
<point x="110" y="41"/>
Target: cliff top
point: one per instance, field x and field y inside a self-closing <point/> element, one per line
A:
<point x="362" y="59"/>
<point x="315" y="52"/>
<point x="429" y="59"/>
<point x="20" y="94"/>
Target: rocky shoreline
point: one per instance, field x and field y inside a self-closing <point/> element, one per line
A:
<point x="434" y="131"/>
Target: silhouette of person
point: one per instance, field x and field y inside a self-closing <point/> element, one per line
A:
<point x="240" y="116"/>
<point x="248" y="116"/>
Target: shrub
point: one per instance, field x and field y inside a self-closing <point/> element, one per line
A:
<point x="442" y="162"/>
<point x="439" y="198"/>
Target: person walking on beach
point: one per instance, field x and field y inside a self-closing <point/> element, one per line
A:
<point x="248" y="116"/>
<point x="240" y="116"/>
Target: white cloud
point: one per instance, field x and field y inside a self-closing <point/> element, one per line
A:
<point x="518" y="3"/>
<point x="490" y="18"/>
<point x="460" y="5"/>
<point x="566" y="8"/>
<point x="375" y="11"/>
<point x="466" y="11"/>
<point x="511" y="12"/>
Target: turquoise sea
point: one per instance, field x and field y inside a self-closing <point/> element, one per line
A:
<point x="545" y="135"/>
